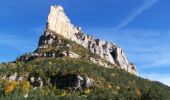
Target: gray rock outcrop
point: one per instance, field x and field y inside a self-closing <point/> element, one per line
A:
<point x="72" y="81"/>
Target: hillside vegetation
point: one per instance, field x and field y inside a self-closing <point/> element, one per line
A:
<point x="112" y="84"/>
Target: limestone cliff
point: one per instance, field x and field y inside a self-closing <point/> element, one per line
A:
<point x="59" y="28"/>
<point x="61" y="24"/>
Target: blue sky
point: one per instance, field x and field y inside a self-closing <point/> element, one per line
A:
<point x="140" y="27"/>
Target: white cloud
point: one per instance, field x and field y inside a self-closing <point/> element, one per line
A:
<point x="160" y="60"/>
<point x="146" y="5"/>
<point x="164" y="78"/>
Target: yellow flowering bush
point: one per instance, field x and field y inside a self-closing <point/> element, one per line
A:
<point x="138" y="93"/>
<point x="10" y="86"/>
<point x="88" y="91"/>
<point x="113" y="75"/>
<point x="118" y="87"/>
<point x="25" y="86"/>
<point x="63" y="93"/>
<point x="44" y="91"/>
<point x="109" y="86"/>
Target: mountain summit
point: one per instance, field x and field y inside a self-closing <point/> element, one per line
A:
<point x="59" y="25"/>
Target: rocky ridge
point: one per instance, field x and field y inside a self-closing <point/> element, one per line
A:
<point x="60" y="28"/>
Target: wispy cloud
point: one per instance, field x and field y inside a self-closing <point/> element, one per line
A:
<point x="22" y="44"/>
<point x="156" y="60"/>
<point x="38" y="30"/>
<point x="146" y="5"/>
<point x="164" y="78"/>
<point x="147" y="48"/>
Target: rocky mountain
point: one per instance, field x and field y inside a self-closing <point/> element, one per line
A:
<point x="71" y="65"/>
<point x="59" y="27"/>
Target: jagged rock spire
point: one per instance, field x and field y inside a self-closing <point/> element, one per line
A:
<point x="58" y="23"/>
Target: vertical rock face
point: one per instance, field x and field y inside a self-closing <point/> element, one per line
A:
<point x="58" y="23"/>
